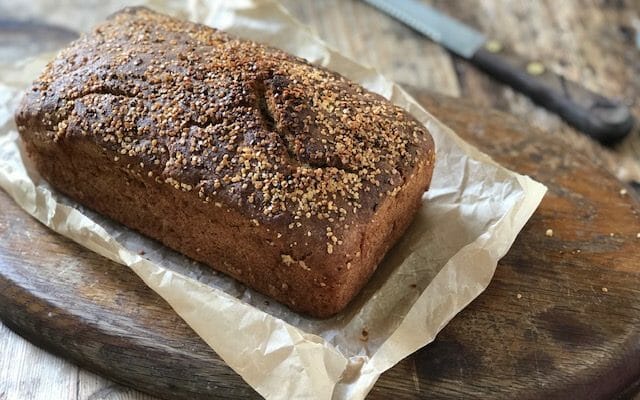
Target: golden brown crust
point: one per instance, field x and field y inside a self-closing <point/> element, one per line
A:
<point x="292" y="162"/>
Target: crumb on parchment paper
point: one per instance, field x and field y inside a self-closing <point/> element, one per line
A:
<point x="364" y="335"/>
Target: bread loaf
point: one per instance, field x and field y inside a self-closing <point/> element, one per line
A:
<point x="283" y="175"/>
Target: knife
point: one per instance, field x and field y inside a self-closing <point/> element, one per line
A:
<point x="603" y="119"/>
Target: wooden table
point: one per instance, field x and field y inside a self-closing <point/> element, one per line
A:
<point x="589" y="41"/>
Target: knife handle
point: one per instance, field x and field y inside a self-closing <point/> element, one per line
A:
<point x="603" y="119"/>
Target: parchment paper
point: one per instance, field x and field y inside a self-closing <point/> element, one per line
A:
<point x="468" y="220"/>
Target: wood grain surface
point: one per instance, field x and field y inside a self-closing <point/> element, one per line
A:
<point x="589" y="40"/>
<point x="560" y="319"/>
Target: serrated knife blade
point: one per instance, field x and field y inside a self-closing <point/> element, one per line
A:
<point x="455" y="36"/>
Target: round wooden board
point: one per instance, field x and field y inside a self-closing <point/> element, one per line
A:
<point x="561" y="318"/>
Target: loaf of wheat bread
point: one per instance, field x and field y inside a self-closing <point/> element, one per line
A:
<point x="286" y="176"/>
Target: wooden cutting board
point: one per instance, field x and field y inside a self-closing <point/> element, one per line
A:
<point x="561" y="318"/>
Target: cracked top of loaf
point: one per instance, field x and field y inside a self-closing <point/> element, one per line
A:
<point x="238" y="123"/>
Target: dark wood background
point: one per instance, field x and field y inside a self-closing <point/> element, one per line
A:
<point x="587" y="40"/>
